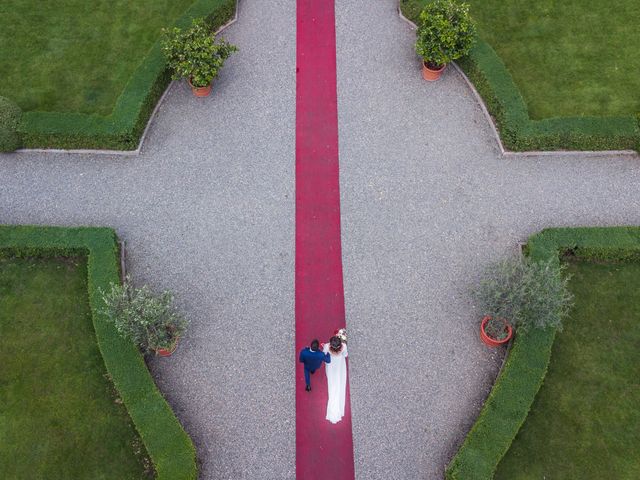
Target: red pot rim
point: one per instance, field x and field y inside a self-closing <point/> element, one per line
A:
<point x="492" y="341"/>
<point x="424" y="63"/>
<point x="161" y="350"/>
<point x="193" y="86"/>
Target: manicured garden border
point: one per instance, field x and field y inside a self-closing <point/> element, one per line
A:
<point x="170" y="448"/>
<point x="122" y="129"/>
<point x="502" y="98"/>
<point x="509" y="402"/>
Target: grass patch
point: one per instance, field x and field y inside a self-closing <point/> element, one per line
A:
<point x="169" y="447"/>
<point x="568" y="59"/>
<point x="122" y="128"/>
<point x="585" y="421"/>
<point x="77" y="56"/>
<point x="515" y="389"/>
<point x="571" y="58"/>
<point x="59" y="414"/>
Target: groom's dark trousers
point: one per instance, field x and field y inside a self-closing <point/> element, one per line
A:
<point x="312" y="359"/>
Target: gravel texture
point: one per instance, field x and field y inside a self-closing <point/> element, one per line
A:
<point x="207" y="210"/>
<point x="427" y="201"/>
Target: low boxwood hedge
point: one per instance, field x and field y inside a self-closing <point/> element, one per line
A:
<point x="517" y="130"/>
<point x="10" y="115"/>
<point x="170" y="448"/>
<point x="123" y="128"/>
<point x="495" y="85"/>
<point x="509" y="402"/>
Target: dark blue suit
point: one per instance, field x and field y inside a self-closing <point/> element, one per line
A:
<point x="312" y="360"/>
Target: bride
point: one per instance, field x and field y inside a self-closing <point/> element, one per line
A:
<point x="336" y="378"/>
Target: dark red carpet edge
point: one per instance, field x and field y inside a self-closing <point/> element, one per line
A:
<point x="323" y="450"/>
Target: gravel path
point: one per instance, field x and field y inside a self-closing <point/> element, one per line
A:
<point x="208" y="211"/>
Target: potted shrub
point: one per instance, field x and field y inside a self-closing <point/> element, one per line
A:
<point x="445" y="33"/>
<point x="520" y="294"/>
<point x="495" y="331"/>
<point x="195" y="55"/>
<point x="149" y="320"/>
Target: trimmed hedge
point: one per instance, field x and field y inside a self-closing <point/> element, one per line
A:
<point x="122" y="129"/>
<point x="509" y="402"/>
<point x="518" y="131"/>
<point x="10" y="115"/>
<point x="168" y="445"/>
<point x="495" y="85"/>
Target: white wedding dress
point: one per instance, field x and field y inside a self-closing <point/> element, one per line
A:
<point x="336" y="383"/>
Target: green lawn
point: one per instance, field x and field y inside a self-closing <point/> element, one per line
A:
<point x="75" y="55"/>
<point x="585" y="421"/>
<point x="568" y="58"/>
<point x="59" y="415"/>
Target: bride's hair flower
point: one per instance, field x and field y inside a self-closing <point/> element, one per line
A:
<point x="341" y="334"/>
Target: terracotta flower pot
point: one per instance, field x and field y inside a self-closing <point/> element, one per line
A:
<point x="431" y="75"/>
<point x="200" y="91"/>
<point x="491" y="342"/>
<point x="164" y="352"/>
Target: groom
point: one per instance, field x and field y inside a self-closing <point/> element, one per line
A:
<point x="312" y="359"/>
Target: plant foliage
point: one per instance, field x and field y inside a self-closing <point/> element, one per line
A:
<point x="445" y="32"/>
<point x="194" y="53"/>
<point x="525" y="293"/>
<point x="149" y="320"/>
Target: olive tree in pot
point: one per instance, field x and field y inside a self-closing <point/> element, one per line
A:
<point x="149" y="320"/>
<point x="195" y="55"/>
<point x="521" y="294"/>
<point x="445" y="33"/>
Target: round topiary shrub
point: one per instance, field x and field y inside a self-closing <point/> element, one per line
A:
<point x="445" y="33"/>
<point x="10" y="115"/>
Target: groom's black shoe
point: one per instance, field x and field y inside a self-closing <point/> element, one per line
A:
<point x="308" y="388"/>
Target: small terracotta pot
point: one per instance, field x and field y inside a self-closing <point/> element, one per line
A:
<point x="200" y="91"/>
<point x="490" y="341"/>
<point x="163" y="352"/>
<point x="431" y="75"/>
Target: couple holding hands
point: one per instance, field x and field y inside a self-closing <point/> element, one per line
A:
<point x="334" y="354"/>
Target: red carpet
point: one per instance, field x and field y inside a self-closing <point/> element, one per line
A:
<point x="323" y="450"/>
